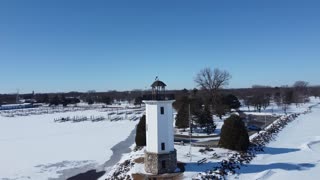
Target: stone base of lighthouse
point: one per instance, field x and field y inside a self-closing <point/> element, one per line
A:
<point x="160" y="163"/>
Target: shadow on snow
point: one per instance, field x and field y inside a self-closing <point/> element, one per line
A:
<point x="194" y="167"/>
<point x="275" y="151"/>
<point x="255" y="168"/>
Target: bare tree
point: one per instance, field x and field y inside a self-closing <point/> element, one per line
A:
<point x="301" y="84"/>
<point x="300" y="91"/>
<point x="287" y="98"/>
<point x="259" y="97"/>
<point x="247" y="101"/>
<point x="315" y="91"/>
<point x="212" y="80"/>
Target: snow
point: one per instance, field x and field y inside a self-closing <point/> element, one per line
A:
<point x="138" y="167"/>
<point x="272" y="163"/>
<point x="15" y="105"/>
<point x="191" y="166"/>
<point x="290" y="153"/>
<point x="35" y="147"/>
<point x="294" y="155"/>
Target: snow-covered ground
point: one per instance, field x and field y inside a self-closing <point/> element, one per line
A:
<point x="35" y="147"/>
<point x="266" y="164"/>
<point x="294" y="155"/>
<point x="191" y="166"/>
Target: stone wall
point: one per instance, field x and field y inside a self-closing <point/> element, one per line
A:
<point x="160" y="163"/>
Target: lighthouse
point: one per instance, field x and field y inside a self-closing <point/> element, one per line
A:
<point x="160" y="155"/>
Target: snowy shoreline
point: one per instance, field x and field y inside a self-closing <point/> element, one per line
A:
<point x="117" y="151"/>
<point x="120" y="149"/>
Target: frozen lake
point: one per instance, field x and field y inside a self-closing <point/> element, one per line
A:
<point x="36" y="147"/>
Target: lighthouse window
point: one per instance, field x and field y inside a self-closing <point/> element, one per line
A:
<point x="162" y="110"/>
<point x="163" y="147"/>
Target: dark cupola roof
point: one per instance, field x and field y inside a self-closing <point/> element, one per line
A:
<point x="158" y="83"/>
<point x="158" y="92"/>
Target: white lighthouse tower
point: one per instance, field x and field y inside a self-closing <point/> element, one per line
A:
<point x="160" y="155"/>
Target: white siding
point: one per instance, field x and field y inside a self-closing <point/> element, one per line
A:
<point x="160" y="126"/>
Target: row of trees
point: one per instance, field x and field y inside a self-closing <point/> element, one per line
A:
<point x="201" y="109"/>
<point x="260" y="97"/>
<point x="192" y="110"/>
<point x="57" y="100"/>
<point x="301" y="90"/>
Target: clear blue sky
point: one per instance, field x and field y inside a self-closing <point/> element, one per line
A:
<point x="65" y="45"/>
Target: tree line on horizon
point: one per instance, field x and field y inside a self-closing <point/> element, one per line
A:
<point x="257" y="96"/>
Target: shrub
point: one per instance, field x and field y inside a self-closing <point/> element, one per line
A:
<point x="141" y="132"/>
<point x="234" y="135"/>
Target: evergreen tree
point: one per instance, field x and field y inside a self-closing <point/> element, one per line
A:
<point x="195" y="105"/>
<point x="138" y="101"/>
<point x="141" y="132"/>
<point x="64" y="101"/>
<point x="106" y="100"/>
<point x="220" y="110"/>
<point x="231" y="101"/>
<point x="182" y="118"/>
<point x="195" y="91"/>
<point x="45" y="98"/>
<point x="204" y="119"/>
<point x="234" y="134"/>
<point x="224" y="103"/>
<point x="207" y="116"/>
<point x="89" y="100"/>
<point x="55" y="101"/>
